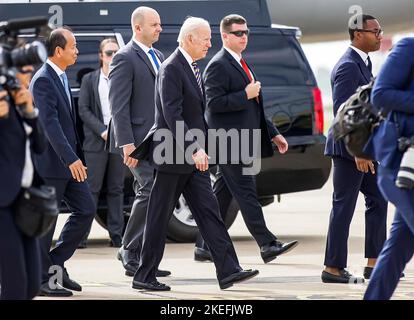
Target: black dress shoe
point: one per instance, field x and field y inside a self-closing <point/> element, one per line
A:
<point x="368" y="273"/>
<point x="128" y="260"/>
<point x="344" y="277"/>
<point x="68" y="283"/>
<point x="46" y="291"/>
<point x="270" y="251"/>
<point x="150" y="286"/>
<point x="158" y="274"/>
<point x="240" y="276"/>
<point x="202" y="255"/>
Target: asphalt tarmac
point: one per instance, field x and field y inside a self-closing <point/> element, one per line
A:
<point x="302" y="216"/>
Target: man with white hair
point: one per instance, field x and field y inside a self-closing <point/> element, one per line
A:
<point x="180" y="104"/>
<point x="131" y="96"/>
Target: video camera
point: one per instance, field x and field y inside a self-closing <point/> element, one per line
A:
<point x="15" y="53"/>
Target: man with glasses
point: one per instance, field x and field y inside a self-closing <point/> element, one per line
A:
<point x="353" y="175"/>
<point x="95" y="113"/>
<point x="235" y="102"/>
<point x="131" y="97"/>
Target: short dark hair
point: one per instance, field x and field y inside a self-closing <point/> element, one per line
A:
<point x="354" y="27"/>
<point x="227" y="21"/>
<point x="56" y="39"/>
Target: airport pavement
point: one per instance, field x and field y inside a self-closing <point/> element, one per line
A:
<point x="296" y="275"/>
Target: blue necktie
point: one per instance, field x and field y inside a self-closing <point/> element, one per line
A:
<point x="154" y="58"/>
<point x="64" y="78"/>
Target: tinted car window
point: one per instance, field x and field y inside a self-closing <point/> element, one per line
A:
<point x="280" y="64"/>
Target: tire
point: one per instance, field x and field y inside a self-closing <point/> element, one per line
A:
<point x="182" y="226"/>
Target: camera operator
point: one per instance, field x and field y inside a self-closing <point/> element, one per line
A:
<point x="20" y="135"/>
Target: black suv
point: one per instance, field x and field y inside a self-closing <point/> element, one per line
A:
<point x="292" y="98"/>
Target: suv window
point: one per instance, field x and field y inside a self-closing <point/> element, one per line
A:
<point x="281" y="64"/>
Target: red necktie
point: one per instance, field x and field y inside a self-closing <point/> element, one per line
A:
<point x="246" y="69"/>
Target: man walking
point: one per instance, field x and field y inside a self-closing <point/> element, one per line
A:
<point x="62" y="164"/>
<point x="352" y="175"/>
<point x="131" y="97"/>
<point x="180" y="105"/>
<point x="235" y="102"/>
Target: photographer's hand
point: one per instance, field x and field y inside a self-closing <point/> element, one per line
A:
<point x="4" y="105"/>
<point x="23" y="97"/>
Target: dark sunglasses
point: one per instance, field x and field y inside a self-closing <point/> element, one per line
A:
<point x="240" y="33"/>
<point x="110" y="52"/>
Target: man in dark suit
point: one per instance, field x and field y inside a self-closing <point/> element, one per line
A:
<point x="352" y="175"/>
<point x="131" y="96"/>
<point x="21" y="135"/>
<point x="62" y="164"/>
<point x="95" y="113"/>
<point x="393" y="93"/>
<point x="235" y="102"/>
<point x="182" y="163"/>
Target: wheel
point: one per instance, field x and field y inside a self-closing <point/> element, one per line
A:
<point x="182" y="226"/>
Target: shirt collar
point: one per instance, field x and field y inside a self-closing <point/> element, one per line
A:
<point x="362" y="54"/>
<point x="55" y="67"/>
<point x="233" y="54"/>
<point x="186" y="56"/>
<point x="102" y="75"/>
<point x="142" y="46"/>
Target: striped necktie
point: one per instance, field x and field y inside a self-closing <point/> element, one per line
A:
<point x="154" y="58"/>
<point x="198" y="76"/>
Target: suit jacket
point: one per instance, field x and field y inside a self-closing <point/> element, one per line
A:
<point x="90" y="111"/>
<point x="13" y="152"/>
<point x="394" y="91"/>
<point x="349" y="73"/>
<point x="227" y="103"/>
<point x="179" y="102"/>
<point x="59" y="122"/>
<point x="131" y="96"/>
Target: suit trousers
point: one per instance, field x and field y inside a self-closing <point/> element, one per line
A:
<point x="19" y="261"/>
<point x="196" y="188"/>
<point x="347" y="183"/>
<point x="243" y="189"/>
<point x="80" y="203"/>
<point x="143" y="181"/>
<point x="110" y="165"/>
<point x="399" y="247"/>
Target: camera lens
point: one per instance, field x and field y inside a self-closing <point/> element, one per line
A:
<point x="405" y="177"/>
<point x="31" y="54"/>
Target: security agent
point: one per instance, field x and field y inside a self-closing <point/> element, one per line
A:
<point x="21" y="134"/>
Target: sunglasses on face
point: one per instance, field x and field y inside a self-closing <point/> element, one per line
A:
<point x="240" y="33"/>
<point x="110" y="52"/>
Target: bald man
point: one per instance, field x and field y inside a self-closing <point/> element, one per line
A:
<point x="131" y="97"/>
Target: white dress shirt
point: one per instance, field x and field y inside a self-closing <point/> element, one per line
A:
<point x="103" y="89"/>
<point x="238" y="57"/>
<point x="362" y="54"/>
<point x="146" y="49"/>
